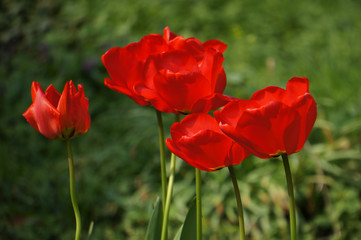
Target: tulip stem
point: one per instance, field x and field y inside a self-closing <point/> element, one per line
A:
<point x="162" y="158"/>
<point x="239" y="203"/>
<point x="169" y="198"/>
<point x="199" y="203"/>
<point x="169" y="193"/>
<point x="72" y="190"/>
<point x="291" y="197"/>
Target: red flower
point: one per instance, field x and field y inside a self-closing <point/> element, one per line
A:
<point x="169" y="72"/>
<point x="274" y="121"/>
<point x="59" y="116"/>
<point x="198" y="140"/>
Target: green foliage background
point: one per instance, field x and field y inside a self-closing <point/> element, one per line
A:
<point x="117" y="161"/>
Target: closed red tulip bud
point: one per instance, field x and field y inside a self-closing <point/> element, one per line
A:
<point x="198" y="140"/>
<point x="59" y="116"/>
<point x="274" y="121"/>
<point x="171" y="73"/>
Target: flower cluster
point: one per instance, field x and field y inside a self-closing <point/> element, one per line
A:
<point x="180" y="75"/>
<point x="185" y="76"/>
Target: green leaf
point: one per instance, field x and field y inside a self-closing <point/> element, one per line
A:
<point x="155" y="224"/>
<point x="189" y="228"/>
<point x="179" y="232"/>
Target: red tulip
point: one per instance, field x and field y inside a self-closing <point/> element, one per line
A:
<point x="198" y="140"/>
<point x="274" y="121"/>
<point x="171" y="73"/>
<point x="58" y="116"/>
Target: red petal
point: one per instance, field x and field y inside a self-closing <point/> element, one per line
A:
<point x="297" y="86"/>
<point x="211" y="68"/>
<point x="154" y="99"/>
<point x="268" y="94"/>
<point x="194" y="47"/>
<point x="176" y="61"/>
<point x="31" y="118"/>
<point x="125" y="70"/>
<point x="73" y="108"/>
<point x="35" y="87"/>
<point x="215" y="44"/>
<point x="152" y="44"/>
<point x="46" y="117"/>
<point x="221" y="82"/>
<point x="65" y="108"/>
<point x="210" y="103"/>
<point x="307" y="110"/>
<point x="168" y="35"/>
<point x="52" y="95"/>
<point x="193" y="123"/>
<point x="181" y="91"/>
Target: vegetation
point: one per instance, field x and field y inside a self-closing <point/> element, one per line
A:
<point x="117" y="161"/>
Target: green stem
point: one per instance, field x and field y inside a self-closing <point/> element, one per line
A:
<point x="169" y="198"/>
<point x="162" y="157"/>
<point x="169" y="193"/>
<point x="291" y="197"/>
<point x="72" y="190"/>
<point x="239" y="203"/>
<point x="199" y="203"/>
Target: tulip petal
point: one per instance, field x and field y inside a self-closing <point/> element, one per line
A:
<point x="181" y="90"/>
<point x="211" y="68"/>
<point x="195" y="48"/>
<point x="264" y="96"/>
<point x="307" y="110"/>
<point x="297" y="86"/>
<point x="124" y="70"/>
<point x="52" y="95"/>
<point x="215" y="44"/>
<point x="152" y="44"/>
<point x="35" y="87"/>
<point x="168" y="35"/>
<point x="31" y="118"/>
<point x="46" y="117"/>
<point x="208" y="104"/>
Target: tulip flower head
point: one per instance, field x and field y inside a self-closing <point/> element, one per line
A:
<point x="171" y="73"/>
<point x="59" y="116"/>
<point x="198" y="140"/>
<point x="274" y="121"/>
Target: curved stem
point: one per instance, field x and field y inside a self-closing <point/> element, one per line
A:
<point x="239" y="203"/>
<point x="72" y="190"/>
<point x="169" y="193"/>
<point x="199" y="203"/>
<point x="291" y="197"/>
<point x="162" y="157"/>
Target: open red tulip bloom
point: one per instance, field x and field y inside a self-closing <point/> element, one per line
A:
<point x="59" y="116"/>
<point x="198" y="140"/>
<point x="169" y="72"/>
<point x="274" y="121"/>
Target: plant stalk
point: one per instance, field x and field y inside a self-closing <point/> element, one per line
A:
<point x="169" y="192"/>
<point x="162" y="158"/>
<point x="72" y="190"/>
<point x="291" y="197"/>
<point x="239" y="204"/>
<point x="199" y="203"/>
<point x="169" y="198"/>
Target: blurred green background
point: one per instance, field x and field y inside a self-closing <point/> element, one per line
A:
<point x="117" y="161"/>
